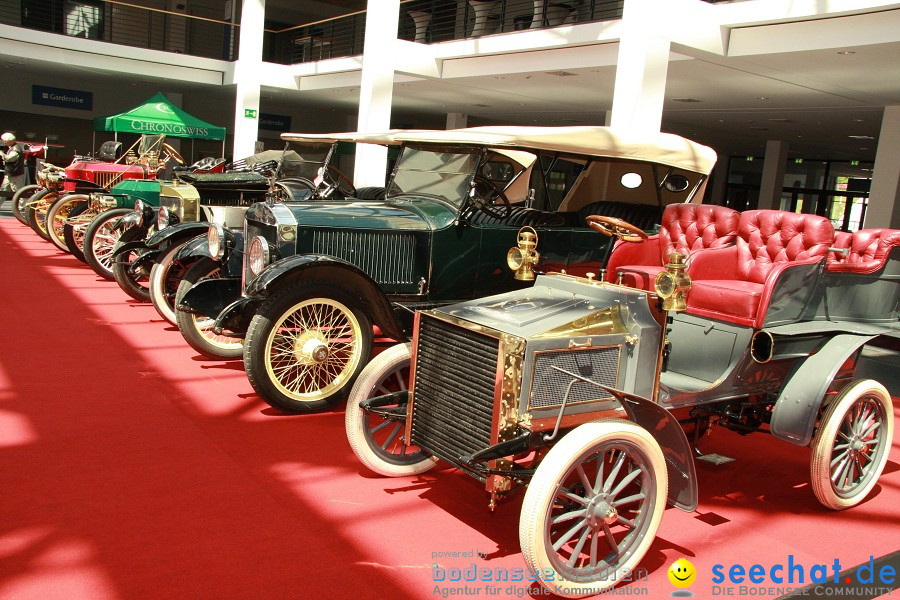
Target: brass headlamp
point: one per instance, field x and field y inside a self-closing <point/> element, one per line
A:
<point x="524" y="256"/>
<point x="672" y="285"/>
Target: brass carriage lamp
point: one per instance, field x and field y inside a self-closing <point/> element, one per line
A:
<point x="672" y="285"/>
<point x="524" y="256"/>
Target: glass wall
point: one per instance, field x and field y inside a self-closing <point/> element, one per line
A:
<point x="838" y="190"/>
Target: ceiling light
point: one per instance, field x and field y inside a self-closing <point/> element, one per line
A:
<point x="762" y="98"/>
<point x="561" y="73"/>
<point x="846" y="52"/>
<point x="861" y="137"/>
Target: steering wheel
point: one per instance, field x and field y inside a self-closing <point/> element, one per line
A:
<point x="612" y="226"/>
<point x="484" y="199"/>
<point x="332" y="178"/>
<point x="172" y="153"/>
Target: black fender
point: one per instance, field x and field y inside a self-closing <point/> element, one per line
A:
<point x="798" y="404"/>
<point x="667" y="431"/>
<point x="176" y="235"/>
<point x="194" y="248"/>
<point x="210" y="297"/>
<point x="131" y="220"/>
<point x="329" y="269"/>
<point x="236" y="316"/>
<point x="129" y="247"/>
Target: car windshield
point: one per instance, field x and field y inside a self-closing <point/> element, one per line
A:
<point x="439" y="172"/>
<point x="150" y="143"/>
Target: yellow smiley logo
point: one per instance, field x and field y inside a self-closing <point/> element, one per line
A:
<point x="682" y="573"/>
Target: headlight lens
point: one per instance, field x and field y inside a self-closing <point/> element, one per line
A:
<point x="139" y="207"/>
<point x="259" y="255"/>
<point x="665" y="285"/>
<point x="162" y="218"/>
<point x="215" y="237"/>
<point x="514" y="258"/>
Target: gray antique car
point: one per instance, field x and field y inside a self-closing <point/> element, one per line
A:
<point x="318" y="276"/>
<point x="579" y="388"/>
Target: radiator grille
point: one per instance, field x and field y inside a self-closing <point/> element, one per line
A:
<point x="389" y="258"/>
<point x="549" y="385"/>
<point x="107" y="179"/>
<point x="453" y="398"/>
<point x="231" y="197"/>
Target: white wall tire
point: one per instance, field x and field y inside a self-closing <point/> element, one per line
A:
<point x="378" y="441"/>
<point x="852" y="444"/>
<point x="197" y="329"/>
<point x="573" y="507"/>
<point x="58" y="215"/>
<point x="160" y="295"/>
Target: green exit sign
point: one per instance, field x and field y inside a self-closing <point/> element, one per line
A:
<point x="749" y="159"/>
<point x="798" y="161"/>
<point x="854" y="163"/>
<point x="249" y="113"/>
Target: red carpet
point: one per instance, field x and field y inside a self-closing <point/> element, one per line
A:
<point x="132" y="469"/>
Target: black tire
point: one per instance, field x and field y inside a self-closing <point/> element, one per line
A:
<point x="307" y="384"/>
<point x="36" y="211"/>
<point x="197" y="332"/>
<point x="99" y="241"/>
<point x="134" y="283"/>
<point x="73" y="234"/>
<point x="58" y="216"/>
<point x="23" y="195"/>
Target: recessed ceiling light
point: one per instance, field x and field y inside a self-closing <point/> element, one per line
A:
<point x="498" y="77"/>
<point x="858" y="120"/>
<point x="861" y="137"/>
<point x="762" y="98"/>
<point x="562" y="73"/>
<point x="846" y="52"/>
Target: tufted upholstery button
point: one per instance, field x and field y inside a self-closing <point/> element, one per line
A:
<point x="868" y="250"/>
<point x="736" y="285"/>
<point x="686" y="228"/>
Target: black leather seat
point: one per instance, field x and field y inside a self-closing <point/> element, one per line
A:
<point x="519" y="216"/>
<point x="110" y="151"/>
<point x="644" y="216"/>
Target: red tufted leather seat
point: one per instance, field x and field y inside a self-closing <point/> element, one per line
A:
<point x="735" y="284"/>
<point x="686" y="228"/>
<point x="868" y="250"/>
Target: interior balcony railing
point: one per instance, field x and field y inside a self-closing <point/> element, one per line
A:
<point x="204" y="32"/>
<point x="432" y="21"/>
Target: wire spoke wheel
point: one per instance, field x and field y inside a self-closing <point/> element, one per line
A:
<point x="593" y="507"/>
<point x="306" y="345"/>
<point x="852" y="444"/>
<point x="58" y="216"/>
<point x="197" y="330"/>
<point x="314" y="348"/>
<point x="377" y="435"/>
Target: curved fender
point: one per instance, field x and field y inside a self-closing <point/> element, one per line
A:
<point x="236" y="316"/>
<point x="328" y="268"/>
<point x="128" y="221"/>
<point x="794" y="415"/>
<point x="177" y="234"/>
<point x="194" y="248"/>
<point x="666" y="430"/>
<point x="129" y="247"/>
<point x="209" y="297"/>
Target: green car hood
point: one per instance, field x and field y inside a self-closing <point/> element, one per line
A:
<point x="414" y="215"/>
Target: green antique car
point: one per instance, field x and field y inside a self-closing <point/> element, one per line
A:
<point x="318" y="276"/>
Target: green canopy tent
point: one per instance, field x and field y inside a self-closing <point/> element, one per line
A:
<point x="159" y="116"/>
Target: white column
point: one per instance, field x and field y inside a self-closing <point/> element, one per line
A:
<point x="773" y="174"/>
<point x="641" y="67"/>
<point x="376" y="88"/>
<point x="884" y="195"/>
<point x="247" y="70"/>
<point x="457" y="120"/>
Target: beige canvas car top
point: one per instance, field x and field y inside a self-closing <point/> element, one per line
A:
<point x="662" y="148"/>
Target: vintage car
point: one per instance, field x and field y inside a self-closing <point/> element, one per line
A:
<point x="289" y="175"/>
<point x="195" y="261"/>
<point x="318" y="276"/>
<point x="143" y="160"/>
<point x="578" y="389"/>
